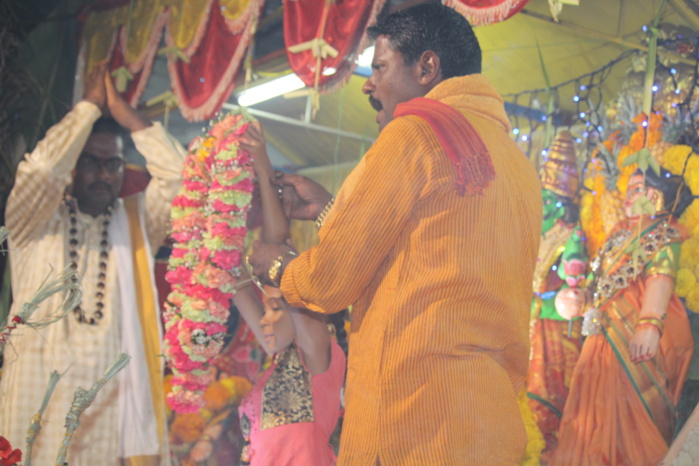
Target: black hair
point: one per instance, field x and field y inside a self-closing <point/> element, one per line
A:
<point x="338" y="321"/>
<point x="673" y="188"/>
<point x="432" y="26"/>
<point x="109" y="125"/>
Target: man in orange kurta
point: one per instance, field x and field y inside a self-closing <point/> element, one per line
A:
<point x="435" y="255"/>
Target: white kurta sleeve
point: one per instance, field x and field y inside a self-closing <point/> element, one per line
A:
<point x="44" y="174"/>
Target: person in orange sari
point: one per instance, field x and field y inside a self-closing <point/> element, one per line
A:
<point x="634" y="362"/>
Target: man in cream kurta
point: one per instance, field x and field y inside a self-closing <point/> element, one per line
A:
<point x="123" y="421"/>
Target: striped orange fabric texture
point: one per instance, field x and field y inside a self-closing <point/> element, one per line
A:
<point x="441" y="286"/>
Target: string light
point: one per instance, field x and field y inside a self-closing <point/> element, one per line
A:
<point x="583" y="87"/>
<point x="578" y="140"/>
<point x="515" y="131"/>
<point x="655" y="88"/>
<point x="576" y="98"/>
<point x="645" y="123"/>
<point x="525" y="137"/>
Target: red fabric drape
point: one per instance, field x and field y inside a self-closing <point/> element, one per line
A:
<point x="203" y="85"/>
<point x="345" y="30"/>
<point x="481" y="12"/>
<point x="136" y="86"/>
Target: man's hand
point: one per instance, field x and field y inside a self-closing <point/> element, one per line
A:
<point x="302" y="198"/>
<point x="121" y="111"/>
<point x="95" y="91"/>
<point x="644" y="343"/>
<point x="263" y="254"/>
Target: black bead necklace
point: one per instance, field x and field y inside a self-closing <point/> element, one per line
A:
<point x="104" y="255"/>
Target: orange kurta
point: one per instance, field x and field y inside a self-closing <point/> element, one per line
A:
<point x="441" y="286"/>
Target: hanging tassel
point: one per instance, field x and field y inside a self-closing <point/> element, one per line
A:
<point x="82" y="400"/>
<point x="68" y="280"/>
<point x="320" y="49"/>
<point x="35" y="424"/>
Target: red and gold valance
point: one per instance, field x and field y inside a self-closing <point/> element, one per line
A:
<point x="324" y="37"/>
<point x="482" y="12"/>
<point x="206" y="41"/>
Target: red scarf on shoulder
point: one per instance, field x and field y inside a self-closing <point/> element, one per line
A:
<point x="461" y="142"/>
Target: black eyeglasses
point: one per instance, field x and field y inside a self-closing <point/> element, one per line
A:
<point x="90" y="163"/>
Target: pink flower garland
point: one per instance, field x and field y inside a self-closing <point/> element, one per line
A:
<point x="208" y="216"/>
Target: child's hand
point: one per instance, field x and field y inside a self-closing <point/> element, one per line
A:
<point x="253" y="141"/>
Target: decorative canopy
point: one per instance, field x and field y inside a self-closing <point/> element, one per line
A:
<point x="482" y="12"/>
<point x="207" y="40"/>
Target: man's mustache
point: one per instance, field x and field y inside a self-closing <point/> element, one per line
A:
<point x="376" y="104"/>
<point x="100" y="184"/>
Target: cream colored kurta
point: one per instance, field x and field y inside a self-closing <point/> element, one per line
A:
<point x="38" y="222"/>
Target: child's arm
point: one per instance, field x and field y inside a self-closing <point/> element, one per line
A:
<point x="250" y="308"/>
<point x="312" y="334"/>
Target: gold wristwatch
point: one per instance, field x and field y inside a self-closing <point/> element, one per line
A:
<point x="275" y="270"/>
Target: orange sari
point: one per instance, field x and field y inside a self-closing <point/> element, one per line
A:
<point x="618" y="412"/>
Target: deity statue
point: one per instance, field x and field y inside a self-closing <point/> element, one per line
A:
<point x="633" y="364"/>
<point x="555" y="338"/>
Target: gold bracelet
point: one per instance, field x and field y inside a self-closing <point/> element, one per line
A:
<point x="324" y="213"/>
<point x="657" y="323"/>
<point x="275" y="270"/>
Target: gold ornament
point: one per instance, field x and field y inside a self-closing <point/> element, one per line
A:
<point x="559" y="171"/>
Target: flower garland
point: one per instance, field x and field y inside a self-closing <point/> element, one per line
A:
<point x="209" y="218"/>
<point x="601" y="208"/>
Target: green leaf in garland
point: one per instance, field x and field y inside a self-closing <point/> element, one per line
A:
<point x="654" y="165"/>
<point x="642" y="164"/>
<point x="631" y="159"/>
<point x="644" y="159"/>
<point x="637" y="253"/>
<point x="643" y="206"/>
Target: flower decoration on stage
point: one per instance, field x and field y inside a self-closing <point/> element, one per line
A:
<point x="9" y="456"/>
<point x="209" y="218"/>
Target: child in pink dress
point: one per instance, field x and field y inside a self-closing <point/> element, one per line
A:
<point x="291" y="411"/>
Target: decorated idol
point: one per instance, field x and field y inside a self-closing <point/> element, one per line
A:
<point x="555" y="338"/>
<point x="634" y="361"/>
